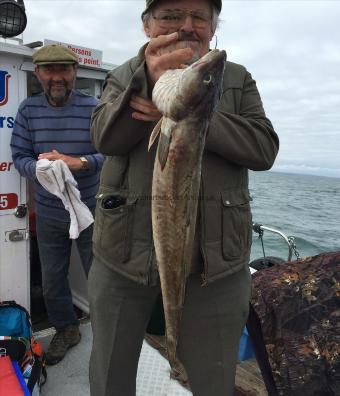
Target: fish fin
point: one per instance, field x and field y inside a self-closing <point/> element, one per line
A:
<point x="163" y="149"/>
<point x="155" y="132"/>
<point x="164" y="140"/>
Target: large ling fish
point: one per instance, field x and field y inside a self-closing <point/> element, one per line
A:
<point x="186" y="98"/>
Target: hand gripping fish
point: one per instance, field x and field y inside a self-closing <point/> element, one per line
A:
<point x="186" y="98"/>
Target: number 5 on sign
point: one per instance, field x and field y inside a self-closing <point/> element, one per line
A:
<point x="8" y="201"/>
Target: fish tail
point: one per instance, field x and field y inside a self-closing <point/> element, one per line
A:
<point x="172" y="336"/>
<point x="177" y="367"/>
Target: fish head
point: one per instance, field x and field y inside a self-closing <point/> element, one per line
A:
<point x="194" y="90"/>
<point x="200" y="84"/>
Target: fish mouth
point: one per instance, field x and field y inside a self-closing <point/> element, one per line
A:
<point x="212" y="59"/>
<point x="215" y="56"/>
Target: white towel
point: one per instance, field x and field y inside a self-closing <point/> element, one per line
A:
<point x="56" y="178"/>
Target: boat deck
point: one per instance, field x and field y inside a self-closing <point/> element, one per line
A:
<point x="70" y="377"/>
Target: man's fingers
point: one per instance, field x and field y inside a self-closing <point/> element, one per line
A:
<point x="52" y="155"/>
<point x="144" y="117"/>
<point x="145" y="109"/>
<point x="174" y="59"/>
<point x="156" y="43"/>
<point x="137" y="101"/>
<point x="145" y="106"/>
<point x="163" y="53"/>
<point x="45" y="155"/>
<point x="158" y="65"/>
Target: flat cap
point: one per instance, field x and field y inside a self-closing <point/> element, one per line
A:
<point x="55" y="54"/>
<point x="151" y="3"/>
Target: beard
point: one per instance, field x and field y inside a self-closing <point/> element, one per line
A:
<point x="190" y="40"/>
<point x="59" y="93"/>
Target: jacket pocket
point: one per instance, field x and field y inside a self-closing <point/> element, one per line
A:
<point x="112" y="234"/>
<point x="236" y="223"/>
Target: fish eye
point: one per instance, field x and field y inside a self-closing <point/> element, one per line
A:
<point x="208" y="79"/>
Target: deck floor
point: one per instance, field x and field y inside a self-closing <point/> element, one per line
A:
<point x="70" y="377"/>
<point x="248" y="380"/>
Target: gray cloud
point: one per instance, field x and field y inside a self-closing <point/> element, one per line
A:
<point x="290" y="47"/>
<point x="292" y="50"/>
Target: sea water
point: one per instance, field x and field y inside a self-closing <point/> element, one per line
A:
<point x="303" y="206"/>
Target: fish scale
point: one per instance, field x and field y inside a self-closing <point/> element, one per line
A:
<point x="186" y="98"/>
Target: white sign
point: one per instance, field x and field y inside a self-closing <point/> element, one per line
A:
<point x="87" y="56"/>
<point x="9" y="177"/>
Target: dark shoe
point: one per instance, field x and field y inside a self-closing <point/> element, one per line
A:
<point x="62" y="341"/>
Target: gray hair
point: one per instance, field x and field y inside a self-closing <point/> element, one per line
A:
<point x="215" y="20"/>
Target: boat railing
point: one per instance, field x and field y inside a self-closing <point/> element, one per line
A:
<point x="290" y="240"/>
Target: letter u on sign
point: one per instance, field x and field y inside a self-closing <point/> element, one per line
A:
<point x="4" y="77"/>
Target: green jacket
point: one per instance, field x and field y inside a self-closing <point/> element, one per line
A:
<point x="240" y="137"/>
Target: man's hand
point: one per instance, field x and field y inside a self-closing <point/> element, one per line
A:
<point x="145" y="109"/>
<point x="163" y="53"/>
<point x="73" y="163"/>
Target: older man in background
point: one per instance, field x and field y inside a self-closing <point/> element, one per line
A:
<point x="124" y="281"/>
<point x="55" y="125"/>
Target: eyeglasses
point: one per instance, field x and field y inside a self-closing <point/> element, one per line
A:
<point x="168" y="19"/>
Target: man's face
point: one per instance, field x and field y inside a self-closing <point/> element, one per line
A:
<point x="191" y="18"/>
<point x="57" y="81"/>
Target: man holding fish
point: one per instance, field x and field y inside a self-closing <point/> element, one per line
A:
<point x="175" y="219"/>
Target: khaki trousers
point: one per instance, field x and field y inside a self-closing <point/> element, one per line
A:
<point x="212" y="322"/>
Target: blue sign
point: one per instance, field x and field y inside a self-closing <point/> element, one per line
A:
<point x="4" y="77"/>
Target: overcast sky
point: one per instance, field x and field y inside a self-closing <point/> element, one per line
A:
<point x="291" y="47"/>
